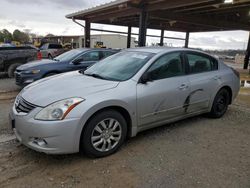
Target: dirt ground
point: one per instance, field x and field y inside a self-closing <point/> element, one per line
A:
<point x="197" y="152"/>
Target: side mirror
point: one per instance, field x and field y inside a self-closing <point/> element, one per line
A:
<point x="77" y="61"/>
<point x="145" y="78"/>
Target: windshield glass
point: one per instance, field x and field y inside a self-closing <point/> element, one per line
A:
<point x="120" y="66"/>
<point x="68" y="56"/>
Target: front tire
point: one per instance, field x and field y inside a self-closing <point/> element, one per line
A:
<point x="220" y="103"/>
<point x="104" y="134"/>
<point x="12" y="69"/>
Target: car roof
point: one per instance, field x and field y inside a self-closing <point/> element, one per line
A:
<point x="157" y="50"/>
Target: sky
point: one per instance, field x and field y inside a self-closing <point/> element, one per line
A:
<point x="48" y="16"/>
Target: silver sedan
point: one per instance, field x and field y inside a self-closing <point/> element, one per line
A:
<point x="137" y="89"/>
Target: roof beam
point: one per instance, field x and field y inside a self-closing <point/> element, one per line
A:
<point x="163" y="5"/>
<point x="202" y="21"/>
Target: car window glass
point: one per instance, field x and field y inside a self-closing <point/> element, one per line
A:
<point x="91" y="56"/>
<point x="198" y="63"/>
<point x="107" y="53"/>
<point x="167" y="66"/>
<point x="55" y="46"/>
<point x="120" y="66"/>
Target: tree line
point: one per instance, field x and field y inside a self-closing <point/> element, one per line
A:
<point x="17" y="35"/>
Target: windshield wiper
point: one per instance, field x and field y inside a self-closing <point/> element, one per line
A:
<point x="95" y="76"/>
<point x="56" y="59"/>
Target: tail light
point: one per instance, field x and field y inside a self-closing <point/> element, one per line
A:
<point x="236" y="72"/>
<point x="39" y="55"/>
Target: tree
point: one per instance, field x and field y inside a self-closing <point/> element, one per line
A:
<point x="49" y="35"/>
<point x="20" y="36"/>
<point x="5" y="36"/>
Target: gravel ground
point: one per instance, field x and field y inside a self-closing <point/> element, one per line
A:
<point x="197" y="152"/>
<point x="8" y="85"/>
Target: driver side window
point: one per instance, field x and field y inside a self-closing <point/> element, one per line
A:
<point x="169" y="65"/>
<point x="91" y="56"/>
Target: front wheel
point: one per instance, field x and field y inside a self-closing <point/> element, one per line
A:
<point x="220" y="104"/>
<point x="104" y="134"/>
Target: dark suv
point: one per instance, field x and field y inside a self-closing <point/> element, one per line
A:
<point x="77" y="59"/>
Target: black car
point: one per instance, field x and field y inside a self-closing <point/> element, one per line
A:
<point x="76" y="59"/>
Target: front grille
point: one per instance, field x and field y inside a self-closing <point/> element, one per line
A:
<point x="18" y="78"/>
<point x="22" y="105"/>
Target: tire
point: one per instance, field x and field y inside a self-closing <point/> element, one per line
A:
<point x="50" y="56"/>
<point x="12" y="69"/>
<point x="96" y="141"/>
<point x="220" y="104"/>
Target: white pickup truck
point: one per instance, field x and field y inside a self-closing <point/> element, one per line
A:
<point x="50" y="50"/>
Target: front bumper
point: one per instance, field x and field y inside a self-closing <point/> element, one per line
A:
<point x="25" y="79"/>
<point x="51" y="137"/>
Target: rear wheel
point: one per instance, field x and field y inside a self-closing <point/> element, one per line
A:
<point x="104" y="134"/>
<point x="12" y="69"/>
<point x="220" y="104"/>
<point x="50" y="56"/>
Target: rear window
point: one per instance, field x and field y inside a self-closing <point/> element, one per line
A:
<point x="55" y="46"/>
<point x="200" y="63"/>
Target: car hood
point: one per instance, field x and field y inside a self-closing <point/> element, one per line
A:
<point x="58" y="87"/>
<point x="35" y="64"/>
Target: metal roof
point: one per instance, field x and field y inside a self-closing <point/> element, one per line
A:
<point x="178" y="15"/>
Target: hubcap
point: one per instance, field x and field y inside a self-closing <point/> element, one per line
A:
<point x="106" y="135"/>
<point x="221" y="103"/>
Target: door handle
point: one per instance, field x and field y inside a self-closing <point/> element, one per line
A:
<point x="183" y="86"/>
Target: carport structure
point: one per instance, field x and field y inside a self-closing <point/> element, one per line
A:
<point x="178" y="15"/>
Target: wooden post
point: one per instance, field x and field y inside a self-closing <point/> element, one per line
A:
<point x="87" y="34"/>
<point x="187" y="39"/>
<point x="129" y="37"/>
<point x="246" y="60"/>
<point x="162" y="38"/>
<point x="143" y="27"/>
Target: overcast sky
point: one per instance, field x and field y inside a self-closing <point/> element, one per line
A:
<point x="48" y="16"/>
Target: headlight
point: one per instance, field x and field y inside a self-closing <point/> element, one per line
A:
<point x="31" y="71"/>
<point x="58" y="110"/>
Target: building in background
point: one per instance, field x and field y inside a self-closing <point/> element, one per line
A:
<point x="98" y="40"/>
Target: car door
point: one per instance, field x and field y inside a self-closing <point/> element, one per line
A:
<point x="164" y="96"/>
<point x="204" y="80"/>
<point x="85" y="60"/>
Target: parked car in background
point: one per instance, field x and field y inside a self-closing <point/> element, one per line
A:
<point x="76" y="59"/>
<point x="12" y="57"/>
<point x="50" y="50"/>
<point x="131" y="91"/>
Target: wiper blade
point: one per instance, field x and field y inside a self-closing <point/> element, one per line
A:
<point x="95" y="76"/>
<point x="56" y="59"/>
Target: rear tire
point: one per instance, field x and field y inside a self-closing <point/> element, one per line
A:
<point x="104" y="134"/>
<point x="12" y="69"/>
<point x="220" y="104"/>
<point x="50" y="56"/>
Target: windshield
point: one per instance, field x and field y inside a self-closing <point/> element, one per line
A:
<point x="119" y="67"/>
<point x="68" y="56"/>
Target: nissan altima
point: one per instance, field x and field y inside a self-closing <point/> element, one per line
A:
<point x="136" y="89"/>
